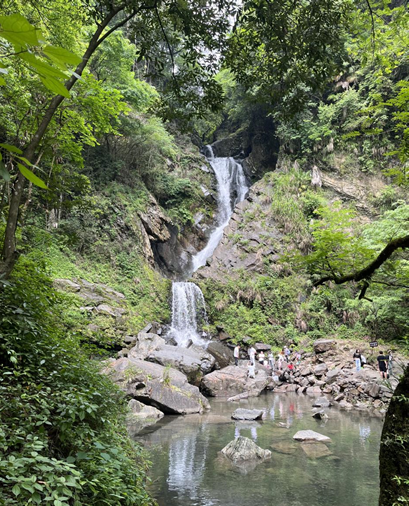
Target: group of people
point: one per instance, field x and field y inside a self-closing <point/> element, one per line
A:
<point x="286" y="359"/>
<point x="384" y="362"/>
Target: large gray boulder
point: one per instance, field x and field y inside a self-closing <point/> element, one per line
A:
<point x="145" y="344"/>
<point x="193" y="361"/>
<point x="248" y="414"/>
<point x="162" y="387"/>
<point x="244" y="449"/>
<point x="233" y="380"/>
<point x="323" y="345"/>
<point x="222" y="354"/>
<point x="141" y="416"/>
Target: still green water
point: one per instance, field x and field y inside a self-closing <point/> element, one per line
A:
<point x="187" y="468"/>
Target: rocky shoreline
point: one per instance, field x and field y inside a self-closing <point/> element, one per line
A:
<point x="158" y="375"/>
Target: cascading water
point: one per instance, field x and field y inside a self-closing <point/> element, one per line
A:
<point x="231" y="189"/>
<point x="187" y="299"/>
<point x="188" y="310"/>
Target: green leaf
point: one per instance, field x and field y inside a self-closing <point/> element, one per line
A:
<point x="60" y="55"/>
<point x="11" y="148"/>
<point x="23" y="159"/>
<point x="55" y="86"/>
<point x="106" y="456"/>
<point x="31" y="176"/>
<point x="16" y="490"/>
<point x="41" y="67"/>
<point x="17" y="30"/>
<point x="2" y="81"/>
<point x="4" y="173"/>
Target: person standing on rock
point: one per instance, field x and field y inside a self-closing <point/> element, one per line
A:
<point x="236" y="354"/>
<point x="357" y="358"/>
<point x="287" y="353"/>
<point x="261" y="357"/>
<point x="252" y="355"/>
<point x="383" y="365"/>
<point x="271" y="361"/>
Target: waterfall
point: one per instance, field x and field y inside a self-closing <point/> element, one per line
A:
<point x="231" y="189"/>
<point x="188" y="310"/>
<point x="188" y="303"/>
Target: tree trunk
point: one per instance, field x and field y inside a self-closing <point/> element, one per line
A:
<point x="394" y="453"/>
<point x="10" y="253"/>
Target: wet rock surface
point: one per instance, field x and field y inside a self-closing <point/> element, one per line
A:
<point x="244" y="449"/>
<point x="248" y="414"/>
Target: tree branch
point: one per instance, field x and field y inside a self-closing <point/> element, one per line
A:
<point x="366" y="272"/>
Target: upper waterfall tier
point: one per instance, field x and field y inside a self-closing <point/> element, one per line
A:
<point x="232" y="188"/>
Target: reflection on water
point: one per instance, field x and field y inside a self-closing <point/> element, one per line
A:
<point x="188" y="469"/>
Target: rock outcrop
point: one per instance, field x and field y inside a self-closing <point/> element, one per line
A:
<point x="162" y="387"/>
<point x="233" y="380"/>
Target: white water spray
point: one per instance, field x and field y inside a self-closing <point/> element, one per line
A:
<point x="188" y="310"/>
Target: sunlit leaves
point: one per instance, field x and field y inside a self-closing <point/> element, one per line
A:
<point x="27" y="173"/>
<point x="26" y="45"/>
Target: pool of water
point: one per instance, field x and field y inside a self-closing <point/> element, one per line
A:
<point x="188" y="469"/>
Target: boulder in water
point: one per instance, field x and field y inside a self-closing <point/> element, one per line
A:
<point x="321" y="402"/>
<point x="316" y="450"/>
<point x="310" y="435"/>
<point x="248" y="414"/>
<point x="244" y="449"/>
<point x="164" y="388"/>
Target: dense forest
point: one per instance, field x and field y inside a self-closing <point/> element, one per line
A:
<point x="105" y="109"/>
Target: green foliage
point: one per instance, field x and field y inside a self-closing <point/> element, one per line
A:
<point x="285" y="51"/>
<point x="69" y="447"/>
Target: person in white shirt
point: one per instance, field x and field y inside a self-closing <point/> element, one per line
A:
<point x="251" y="370"/>
<point x="236" y="354"/>
<point x="252" y="355"/>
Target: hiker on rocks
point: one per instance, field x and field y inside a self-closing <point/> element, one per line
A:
<point x="271" y="361"/>
<point x="280" y="360"/>
<point x="357" y="358"/>
<point x="236" y="354"/>
<point x="287" y="353"/>
<point x="297" y="358"/>
<point x="252" y="355"/>
<point x="383" y="365"/>
<point x="261" y="357"/>
<point x="251" y="369"/>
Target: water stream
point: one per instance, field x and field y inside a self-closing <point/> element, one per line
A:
<point x="188" y="469"/>
<point x="187" y="298"/>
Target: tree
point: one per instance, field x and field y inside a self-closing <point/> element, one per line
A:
<point x="287" y="50"/>
<point x="202" y="30"/>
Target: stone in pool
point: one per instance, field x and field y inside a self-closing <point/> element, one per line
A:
<point x="248" y="414"/>
<point x="244" y="449"/>
<point x="316" y="450"/>
<point x="310" y="435"/>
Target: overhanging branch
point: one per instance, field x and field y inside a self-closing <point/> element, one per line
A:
<point x="366" y="272"/>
